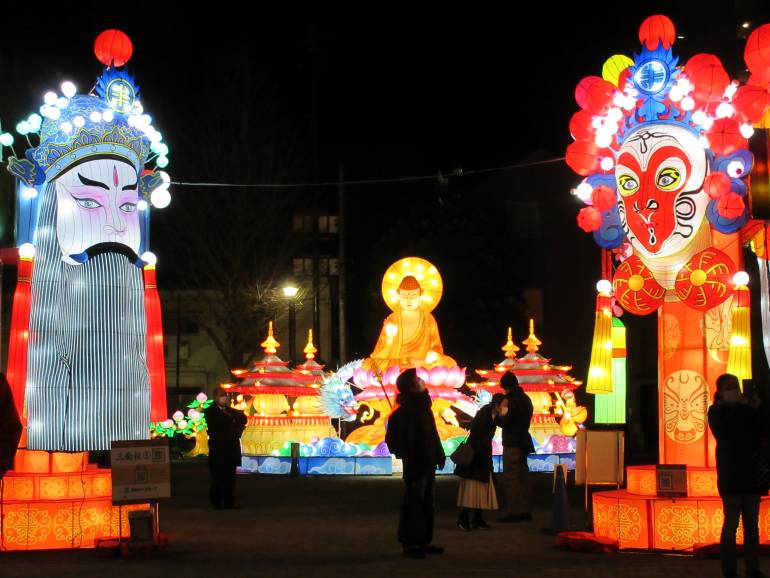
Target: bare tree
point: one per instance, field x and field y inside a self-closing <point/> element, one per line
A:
<point x="233" y="246"/>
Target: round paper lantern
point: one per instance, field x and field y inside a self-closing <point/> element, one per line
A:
<point x="751" y="102"/>
<point x="716" y="185"/>
<point x="704" y="282"/>
<point x="657" y="29"/>
<point x="583" y="157"/>
<point x="614" y="66"/>
<point x="725" y="136"/>
<point x="709" y="83"/>
<point x="698" y="61"/>
<point x="636" y="289"/>
<point x="580" y="126"/>
<point x="731" y="206"/>
<point x="604" y="198"/>
<point x="113" y="48"/>
<point x="589" y="219"/>
<point x="757" y="52"/>
<point x="594" y="94"/>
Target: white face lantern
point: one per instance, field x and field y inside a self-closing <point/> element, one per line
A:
<point x="659" y="175"/>
<point x="96" y="203"/>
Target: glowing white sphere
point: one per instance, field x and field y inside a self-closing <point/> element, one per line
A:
<point x="604" y="286"/>
<point x="35" y="120"/>
<point x="68" y="89"/>
<point x="725" y="110"/>
<point x="6" y="139"/>
<point x="66" y="127"/>
<point x="584" y="191"/>
<point x="688" y="103"/>
<point x="62" y="102"/>
<point x="606" y="163"/>
<point x="617" y="100"/>
<point x="78" y="121"/>
<point x="107" y="116"/>
<point x="676" y="94"/>
<point x="27" y="250"/>
<point x="138" y="109"/>
<point x="684" y="85"/>
<point x="741" y="278"/>
<point x="164" y="177"/>
<point x="142" y="205"/>
<point x="708" y="123"/>
<point x="54" y="113"/>
<point x="50" y="98"/>
<point x="615" y="114"/>
<point x="603" y="140"/>
<point x="597" y="122"/>
<point x="735" y="169"/>
<point x="698" y="117"/>
<point x="747" y="131"/>
<point x="160" y="197"/>
<point x="28" y="193"/>
<point x="149" y="258"/>
<point x="95" y="116"/>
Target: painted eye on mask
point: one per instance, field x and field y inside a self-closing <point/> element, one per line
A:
<point x="128" y="207"/>
<point x="87" y="203"/>
<point x="669" y="179"/>
<point x="627" y="185"/>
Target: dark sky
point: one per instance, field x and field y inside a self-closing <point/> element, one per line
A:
<point x="387" y="90"/>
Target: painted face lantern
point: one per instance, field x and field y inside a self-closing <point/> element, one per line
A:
<point x="86" y="348"/>
<point x="659" y="178"/>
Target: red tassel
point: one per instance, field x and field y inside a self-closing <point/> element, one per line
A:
<point x="19" y="339"/>
<point x="155" y="361"/>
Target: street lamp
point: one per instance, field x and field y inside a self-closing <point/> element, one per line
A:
<point x="290" y="292"/>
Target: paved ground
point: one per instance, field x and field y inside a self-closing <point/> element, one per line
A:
<point x="328" y="526"/>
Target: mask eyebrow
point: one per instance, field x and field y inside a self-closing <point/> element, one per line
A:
<point x="130" y="187"/>
<point x="91" y="183"/>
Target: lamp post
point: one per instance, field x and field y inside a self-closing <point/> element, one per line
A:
<point x="290" y="292"/>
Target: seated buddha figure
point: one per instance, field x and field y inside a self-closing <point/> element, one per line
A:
<point x="409" y="336"/>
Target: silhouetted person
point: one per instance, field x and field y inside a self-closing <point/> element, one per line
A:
<point x="477" y="486"/>
<point x="10" y="427"/>
<point x="735" y="423"/>
<point x="517" y="445"/>
<point x="413" y="438"/>
<point x="225" y="426"/>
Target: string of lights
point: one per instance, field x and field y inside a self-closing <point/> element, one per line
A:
<point x="380" y="181"/>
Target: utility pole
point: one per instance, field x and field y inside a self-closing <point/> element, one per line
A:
<point x="341" y="267"/>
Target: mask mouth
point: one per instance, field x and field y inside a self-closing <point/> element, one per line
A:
<point x="108" y="247"/>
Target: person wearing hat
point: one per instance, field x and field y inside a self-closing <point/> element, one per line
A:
<point x="412" y="437"/>
<point x="517" y="445"/>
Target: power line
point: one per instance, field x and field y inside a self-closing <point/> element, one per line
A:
<point x="455" y="173"/>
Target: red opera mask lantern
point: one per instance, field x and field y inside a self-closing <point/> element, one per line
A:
<point x="704" y="282"/>
<point x="636" y="289"/>
<point x="659" y="174"/>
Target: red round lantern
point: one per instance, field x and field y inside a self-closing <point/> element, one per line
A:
<point x="709" y="83"/>
<point x="704" y="282"/>
<point x="725" y="136"/>
<point x="636" y="290"/>
<point x="716" y="185"/>
<point x="589" y="219"/>
<point x="751" y="102"/>
<point x="580" y="126"/>
<point x="594" y="94"/>
<point x="657" y="29"/>
<point x="757" y="52"/>
<point x="113" y="48"/>
<point x="755" y="80"/>
<point x="583" y="157"/>
<point x="604" y="198"/>
<point x="698" y="61"/>
<point x="731" y="206"/>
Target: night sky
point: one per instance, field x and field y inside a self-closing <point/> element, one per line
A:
<point x="387" y="91"/>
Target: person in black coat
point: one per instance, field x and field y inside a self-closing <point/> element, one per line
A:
<point x="517" y="445"/>
<point x="736" y="425"/>
<point x="412" y="437"/>
<point x="225" y="426"/>
<point x="477" y="488"/>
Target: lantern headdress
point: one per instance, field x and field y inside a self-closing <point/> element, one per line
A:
<point x="669" y="140"/>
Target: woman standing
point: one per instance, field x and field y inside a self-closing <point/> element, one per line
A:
<point x="477" y="488"/>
